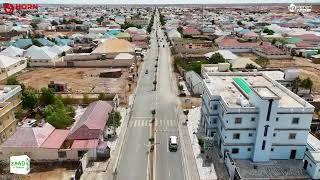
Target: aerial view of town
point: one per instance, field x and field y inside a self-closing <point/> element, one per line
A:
<point x="153" y="91"/>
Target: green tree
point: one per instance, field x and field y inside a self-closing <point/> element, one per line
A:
<point x="34" y="25"/>
<point x="273" y="41"/>
<point x="29" y="98"/>
<point x="54" y="23"/>
<point x="102" y="96"/>
<point x="114" y="120"/>
<point x="250" y="66"/>
<point x="12" y="80"/>
<point x="47" y="96"/>
<point x="216" y="58"/>
<point x="239" y="23"/>
<point x="295" y="84"/>
<point x="58" y="115"/>
<point x="307" y="84"/>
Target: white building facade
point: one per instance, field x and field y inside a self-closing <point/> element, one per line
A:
<point x="254" y="117"/>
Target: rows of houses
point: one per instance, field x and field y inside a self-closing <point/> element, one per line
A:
<point x="46" y="143"/>
<point x="243" y="30"/>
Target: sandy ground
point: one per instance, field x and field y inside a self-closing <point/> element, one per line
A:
<point x="306" y="68"/>
<point x="77" y="79"/>
<point x="60" y="173"/>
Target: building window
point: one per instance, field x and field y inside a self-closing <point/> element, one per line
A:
<point x="272" y="149"/>
<point x="253" y="119"/>
<point x="265" y="130"/>
<point x="238" y="120"/>
<point x="295" y="120"/>
<point x="274" y="134"/>
<point x="263" y="145"/>
<point x="277" y="119"/>
<point x="236" y="136"/>
<point x="215" y="107"/>
<point x="292" y="136"/>
<point x="235" y="150"/>
<point x="62" y="154"/>
<point x="214" y="120"/>
<point x="249" y="149"/>
<point x="250" y="134"/>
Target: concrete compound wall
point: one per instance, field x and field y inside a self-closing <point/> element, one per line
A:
<point x="96" y="63"/>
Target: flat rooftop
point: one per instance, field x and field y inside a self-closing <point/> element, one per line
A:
<point x="7" y="91"/>
<point x="228" y="85"/>
<point x="277" y="169"/>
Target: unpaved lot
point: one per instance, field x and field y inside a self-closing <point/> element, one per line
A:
<point x="306" y="68"/>
<point x="60" y="173"/>
<point x="77" y="79"/>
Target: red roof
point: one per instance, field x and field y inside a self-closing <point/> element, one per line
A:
<point x="56" y="139"/>
<point x="309" y="37"/>
<point x="92" y="122"/>
<point x="303" y="44"/>
<point x="190" y="30"/>
<point x="233" y="43"/>
<point x="85" y="144"/>
<point x="269" y="49"/>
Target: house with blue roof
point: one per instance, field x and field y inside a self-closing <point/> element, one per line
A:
<point x="64" y="42"/>
<point x="45" y="42"/>
<point x="23" y="43"/>
<point x="113" y="32"/>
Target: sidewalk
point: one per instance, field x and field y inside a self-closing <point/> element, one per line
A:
<point x="209" y="164"/>
<point x="104" y="170"/>
<point x="189" y="161"/>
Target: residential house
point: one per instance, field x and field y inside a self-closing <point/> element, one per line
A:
<point x="191" y="45"/>
<point x="173" y="34"/>
<point x="112" y="47"/>
<point x="312" y="157"/>
<point x="267" y="50"/>
<point x="23" y="43"/>
<point x="46" y="143"/>
<point x="234" y="45"/>
<point x="10" y="99"/>
<point x="191" y="31"/>
<point x="42" y="57"/>
<point x="13" y="52"/>
<point x="11" y="65"/>
<point x="123" y="35"/>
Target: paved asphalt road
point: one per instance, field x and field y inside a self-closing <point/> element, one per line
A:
<point x="168" y="164"/>
<point x="133" y="163"/>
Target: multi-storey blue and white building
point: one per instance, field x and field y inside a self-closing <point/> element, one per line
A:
<point x="253" y="117"/>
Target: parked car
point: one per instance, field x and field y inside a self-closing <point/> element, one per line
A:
<point x="173" y="143"/>
<point x="146" y="71"/>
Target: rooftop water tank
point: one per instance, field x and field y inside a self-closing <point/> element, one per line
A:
<point x="291" y="74"/>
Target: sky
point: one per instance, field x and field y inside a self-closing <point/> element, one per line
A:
<point x="155" y="1"/>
